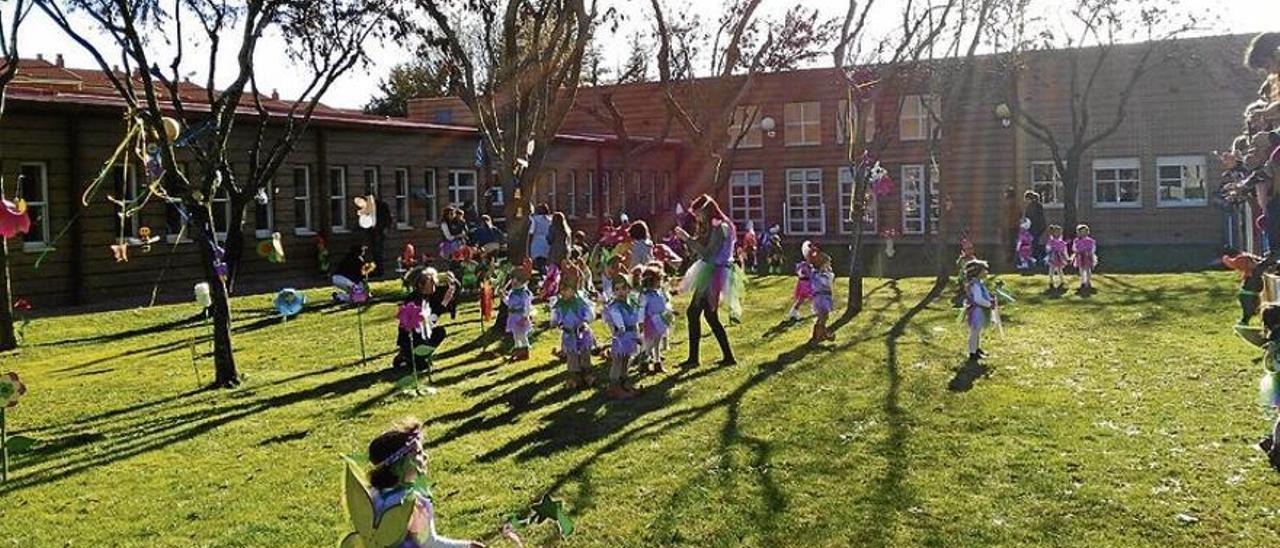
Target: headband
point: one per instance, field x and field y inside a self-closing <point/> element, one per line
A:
<point x="415" y="436"/>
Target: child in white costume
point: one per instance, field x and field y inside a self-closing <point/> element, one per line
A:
<point x="980" y="308"/>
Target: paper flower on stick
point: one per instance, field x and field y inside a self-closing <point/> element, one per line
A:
<point x="11" y="388"/>
<point x="368" y="268"/>
<point x="411" y="316"/>
<point x="13" y="218"/>
<point x="358" y="293"/>
<point x="289" y="302"/>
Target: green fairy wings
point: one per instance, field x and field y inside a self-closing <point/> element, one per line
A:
<point x="371" y="530"/>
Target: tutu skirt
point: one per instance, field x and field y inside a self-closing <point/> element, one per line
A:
<point x="519" y="324"/>
<point x="655" y="328"/>
<point x="448" y="248"/>
<point x="717" y="284"/>
<point x="577" y="341"/>
<point x="977" y="317"/>
<point x="551" y="283"/>
<point x="804" y="290"/>
<point x="822" y="303"/>
<point x="624" y="345"/>
<point x="1086" y="261"/>
<point x="1058" y="259"/>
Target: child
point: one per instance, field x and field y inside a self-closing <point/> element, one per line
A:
<point x="773" y="250"/>
<point x="804" y="281"/>
<point x="351" y="271"/>
<point x="1269" y="387"/>
<point x="519" y="302"/>
<point x="749" y="244"/>
<point x="1025" y="248"/>
<point x="431" y="299"/>
<point x="1057" y="258"/>
<point x="1086" y="257"/>
<point x="641" y="245"/>
<point x="657" y="315"/>
<point x="980" y="307"/>
<point x="1249" y="267"/>
<point x="573" y="314"/>
<point x="823" y="279"/>
<point x="622" y="315"/>
<point x="398" y="458"/>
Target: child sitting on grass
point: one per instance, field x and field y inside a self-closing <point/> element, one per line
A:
<point x="398" y="458"/>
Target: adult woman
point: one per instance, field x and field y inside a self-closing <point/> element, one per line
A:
<point x="710" y="280"/>
<point x="539" y="232"/>
<point x="454" y="230"/>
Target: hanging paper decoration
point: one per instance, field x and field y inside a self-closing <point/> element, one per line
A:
<point x="289" y="302"/>
<point x="367" y="209"/>
<point x="479" y="154"/>
<point x="204" y="296"/>
<point x="889" y="235"/>
<point x="20" y="309"/>
<point x="261" y="197"/>
<point x="322" y="256"/>
<point x="145" y="238"/>
<point x="881" y="182"/>
<point x="11" y="390"/>
<point x="13" y="218"/>
<point x="219" y="266"/>
<point x="121" y="252"/>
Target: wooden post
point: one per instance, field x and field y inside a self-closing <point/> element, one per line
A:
<point x="4" y="448"/>
<point x="75" y="181"/>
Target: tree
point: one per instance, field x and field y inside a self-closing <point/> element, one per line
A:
<point x="12" y="15"/>
<point x="1091" y="42"/>
<point x="409" y="80"/>
<point x="326" y="38"/>
<point x="516" y="65"/>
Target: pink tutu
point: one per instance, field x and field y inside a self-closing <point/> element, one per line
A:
<point x="804" y="289"/>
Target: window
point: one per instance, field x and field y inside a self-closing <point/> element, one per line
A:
<point x="804" y="121"/>
<point x="746" y="118"/>
<point x="651" y="195"/>
<point x="589" y="194"/>
<point x="664" y="192"/>
<point x="33" y="186"/>
<point x="462" y="187"/>
<point x="913" y="204"/>
<point x="302" y="221"/>
<point x="571" y="195"/>
<point x="1180" y="180"/>
<point x="607" y="206"/>
<point x="1047" y="182"/>
<point x="805" y="212"/>
<point x="869" y="215"/>
<point x="221" y="211"/>
<point x="264" y="216"/>
<point x="372" y="180"/>
<point x="746" y="198"/>
<point x="843" y="120"/>
<point x="125" y="189"/>
<point x="915" y="122"/>
<point x="429" y="196"/>
<point x="620" y="193"/>
<point x="338" y="199"/>
<point x="549" y="193"/>
<point x="1116" y="183"/>
<point x="402" y="198"/>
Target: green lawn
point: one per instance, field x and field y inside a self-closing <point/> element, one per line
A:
<point x="1101" y="421"/>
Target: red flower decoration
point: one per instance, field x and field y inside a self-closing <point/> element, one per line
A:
<point x="22" y="304"/>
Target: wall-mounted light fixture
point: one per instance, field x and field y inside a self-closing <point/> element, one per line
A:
<point x="770" y="126"/>
<point x="1004" y="114"/>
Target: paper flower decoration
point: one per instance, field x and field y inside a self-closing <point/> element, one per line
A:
<point x="411" y="316"/>
<point x="13" y="218"/>
<point x="322" y="255"/>
<point x="204" y="296"/>
<point x="22" y="304"/>
<point x="120" y="252"/>
<point x="11" y="388"/>
<point x="883" y="186"/>
<point x="289" y="302"/>
<point x="358" y="293"/>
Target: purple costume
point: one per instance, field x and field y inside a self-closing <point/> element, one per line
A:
<point x="623" y="318"/>
<point x="574" y="317"/>
<point x="804" y="283"/>
<point x="1086" y="252"/>
<point x="657" y="314"/>
<point x="822" y="300"/>
<point x="978" y="304"/>
<point x="1057" y="251"/>
<point x="519" y="310"/>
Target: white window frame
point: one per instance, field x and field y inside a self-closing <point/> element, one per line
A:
<point x="404" y="208"/>
<point x="754" y="136"/>
<point x="550" y="193"/>
<point x="807" y="208"/>
<point x="664" y="191"/>
<point x="913" y="110"/>
<point x="607" y="193"/>
<point x="306" y="225"/>
<point x="1055" y="183"/>
<point x="868" y="129"/>
<point x="43" y="229"/>
<point x="1191" y="166"/>
<point x="872" y="214"/>
<point x="455" y="189"/>
<point x="373" y="187"/>
<point x="223" y="196"/>
<point x="590" y="194"/>
<point x="270" y="206"/>
<point x="803" y="124"/>
<point x="741" y="209"/>
<point x="911" y="182"/>
<point x="1117" y="164"/>
<point x="653" y="193"/>
<point x="337" y="225"/>
<point x="170" y="236"/>
<point x="571" y="197"/>
<point x="431" y="196"/>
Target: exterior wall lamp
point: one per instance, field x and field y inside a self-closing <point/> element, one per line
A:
<point x="1004" y="114"/>
<point x="770" y="126"/>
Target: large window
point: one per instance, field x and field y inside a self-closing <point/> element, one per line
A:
<point x="1046" y="181"/>
<point x="221" y="211"/>
<point x="589" y="194"/>
<point x="571" y="195"/>
<point x="870" y="215"/>
<point x="372" y="181"/>
<point x="746" y="198"/>
<point x="462" y="187"/>
<point x="804" y="123"/>
<point x="746" y="123"/>
<point x="338" y="198"/>
<point x="1180" y="181"/>
<point x="548" y="191"/>
<point x="303" y="224"/>
<point x="430" y="197"/>
<point x="264" y="217"/>
<point x="1117" y="183"/>
<point x="914" y="123"/>
<point x="805" y="212"/>
<point x="913" y="202"/>
<point x="124" y="181"/>
<point x="845" y="118"/>
<point x="33" y="180"/>
<point x="403" y="215"/>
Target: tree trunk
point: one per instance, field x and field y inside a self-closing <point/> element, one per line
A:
<point x="1070" y="190"/>
<point x="853" y="302"/>
<point x="224" y="362"/>
<point x="233" y="244"/>
<point x="518" y="211"/>
<point x="8" y="340"/>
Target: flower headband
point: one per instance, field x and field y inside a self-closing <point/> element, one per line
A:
<point x="410" y="447"/>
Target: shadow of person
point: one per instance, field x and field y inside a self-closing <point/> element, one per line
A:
<point x="971" y="371"/>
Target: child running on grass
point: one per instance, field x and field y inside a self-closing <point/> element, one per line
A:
<point x="823" y="279"/>
<point x="622" y="315"/>
<point x="1249" y="266"/>
<point x="804" y="282"/>
<point x="1057" y="257"/>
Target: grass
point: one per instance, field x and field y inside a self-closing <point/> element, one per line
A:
<point x="1100" y="422"/>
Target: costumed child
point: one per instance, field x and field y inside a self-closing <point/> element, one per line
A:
<point x="1250" y="267"/>
<point x="1085" y="258"/>
<point x="1269" y="386"/>
<point x="967" y="253"/>
<point x="573" y="314"/>
<point x="641" y="246"/>
<point x="823" y="301"/>
<point x="520" y="312"/>
<point x="772" y="248"/>
<point x="622" y="315"/>
<point x="1025" y="250"/>
<point x="429" y="298"/>
<point x="1057" y="257"/>
<point x="981" y="307"/>
<point x="804" y="281"/>
<point x="749" y="245"/>
<point x="398" y="460"/>
<point x="658" y="315"/>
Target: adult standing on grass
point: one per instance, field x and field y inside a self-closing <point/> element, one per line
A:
<point x="1034" y="212"/>
<point x="710" y="279"/>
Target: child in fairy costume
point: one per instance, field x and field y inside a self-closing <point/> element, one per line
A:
<point x="823" y="301"/>
<point x="804" y="281"/>
<point x="622" y="315"/>
<point x="1269" y="386"/>
<point x="1057" y="257"/>
<point x="981" y="307"/>
<point x="1250" y="267"/>
<point x="658" y="315"/>
<point x="519" y="304"/>
<point x="573" y="314"/>
<point x="1025" y="249"/>
<point x="967" y="254"/>
<point x="772" y="249"/>
<point x="1085" y="257"/>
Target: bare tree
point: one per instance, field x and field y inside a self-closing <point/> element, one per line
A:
<point x="326" y="38"/>
<point x="12" y="15"/>
<point x="516" y="65"/>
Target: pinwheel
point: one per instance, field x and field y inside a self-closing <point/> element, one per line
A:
<point x="289" y="302"/>
<point x="415" y="318"/>
<point x="13" y="218"/>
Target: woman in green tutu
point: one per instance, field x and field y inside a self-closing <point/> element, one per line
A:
<point x="713" y="279"/>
